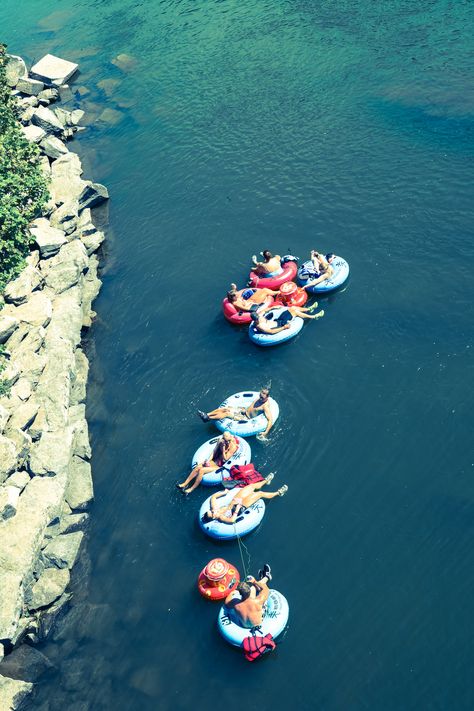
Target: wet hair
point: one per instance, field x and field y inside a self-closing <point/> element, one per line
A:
<point x="267" y="255"/>
<point x="244" y="590"/>
<point x="329" y="256"/>
<point x="207" y="517"/>
<point x="265" y="390"/>
<point x="254" y="315"/>
<point x="231" y="295"/>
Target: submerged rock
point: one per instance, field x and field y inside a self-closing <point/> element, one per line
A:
<point x="111" y="116"/>
<point x="25" y="663"/>
<point x="125" y="62"/>
<point x="108" y="86"/>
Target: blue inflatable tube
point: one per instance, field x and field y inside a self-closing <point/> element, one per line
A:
<point x="246" y="521"/>
<point x="275" y="620"/>
<point x="273" y="339"/>
<point x="244" y="427"/>
<point x="241" y="456"/>
<point x="341" y="273"/>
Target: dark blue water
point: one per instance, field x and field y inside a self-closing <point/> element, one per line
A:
<point x="285" y="125"/>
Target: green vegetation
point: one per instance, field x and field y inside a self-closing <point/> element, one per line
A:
<point x="23" y="188"/>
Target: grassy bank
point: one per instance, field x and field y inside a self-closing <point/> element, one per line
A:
<point x="23" y="188"/>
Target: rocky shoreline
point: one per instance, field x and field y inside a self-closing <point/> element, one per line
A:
<point x="45" y="472"/>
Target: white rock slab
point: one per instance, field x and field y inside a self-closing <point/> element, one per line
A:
<point x="54" y="70"/>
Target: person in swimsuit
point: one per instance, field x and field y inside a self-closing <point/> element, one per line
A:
<point x="241" y="499"/>
<point x="270" y="264"/>
<point x="224" y="449"/>
<point x="246" y="604"/>
<point x="262" y="324"/>
<point x="259" y="406"/>
<point x="242" y="302"/>
<point x="322" y="267"/>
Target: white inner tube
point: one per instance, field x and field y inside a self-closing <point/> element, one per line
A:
<point x="245" y="427"/>
<point x="241" y="456"/>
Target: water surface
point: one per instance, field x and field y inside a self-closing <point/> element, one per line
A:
<point x="285" y="125"/>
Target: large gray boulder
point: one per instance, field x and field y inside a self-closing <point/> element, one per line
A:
<point x="9" y="496"/>
<point x="51" y="456"/>
<point x="90" y="289"/>
<point x="15" y="70"/>
<point x="49" y="239"/>
<point x="54" y="70"/>
<point x="47" y="120"/>
<point x="65" y="217"/>
<point x="65" y="269"/>
<point x="81" y="445"/>
<point x="92" y="194"/>
<point x="53" y="147"/>
<point x="66" y="182"/>
<point x="8" y="458"/>
<point x="79" y="378"/>
<point x="18" y="290"/>
<point x="13" y="692"/>
<point x="24" y="415"/>
<point x="37" y="311"/>
<point x="62" y="552"/>
<point x="4" y="417"/>
<point x="22" y="536"/>
<point x="29" y="86"/>
<point x="8" y="324"/>
<point x="25" y="663"/>
<point x="49" y="587"/>
<point x="80" y="490"/>
<point x="33" y="134"/>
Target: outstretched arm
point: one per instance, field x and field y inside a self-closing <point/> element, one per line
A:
<point x="214" y="498"/>
<point x="268" y="415"/>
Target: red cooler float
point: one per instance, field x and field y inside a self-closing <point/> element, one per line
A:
<point x="291" y="295"/>
<point x="218" y="579"/>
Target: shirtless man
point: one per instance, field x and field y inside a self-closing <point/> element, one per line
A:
<point x="322" y="267"/>
<point x="246" y="603"/>
<point x="241" y="303"/>
<point x="257" y="407"/>
<point x="268" y="266"/>
<point x="241" y="499"/>
<point x="262" y="324"/>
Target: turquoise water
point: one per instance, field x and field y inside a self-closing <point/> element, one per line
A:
<point x="344" y="126"/>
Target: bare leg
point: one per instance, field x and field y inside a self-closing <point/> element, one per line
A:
<point x="197" y="473"/>
<point x="303" y="312"/>
<point x="252" y="498"/>
<point x="220" y="412"/>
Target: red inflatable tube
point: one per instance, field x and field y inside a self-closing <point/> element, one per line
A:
<point x="288" y="273"/>
<point x="291" y="295"/>
<point x="240" y="317"/>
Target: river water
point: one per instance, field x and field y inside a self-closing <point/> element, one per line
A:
<point x="288" y="125"/>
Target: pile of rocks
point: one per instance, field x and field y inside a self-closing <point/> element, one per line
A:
<point x="45" y="474"/>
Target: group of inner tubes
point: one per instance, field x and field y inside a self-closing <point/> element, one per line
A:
<point x="252" y="613"/>
<point x="273" y="304"/>
<point x="253" y="616"/>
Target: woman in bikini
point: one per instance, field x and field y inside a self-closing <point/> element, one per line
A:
<point x="241" y="499"/>
<point x="322" y="268"/>
<point x="224" y="449"/>
<point x="257" y="407"/>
